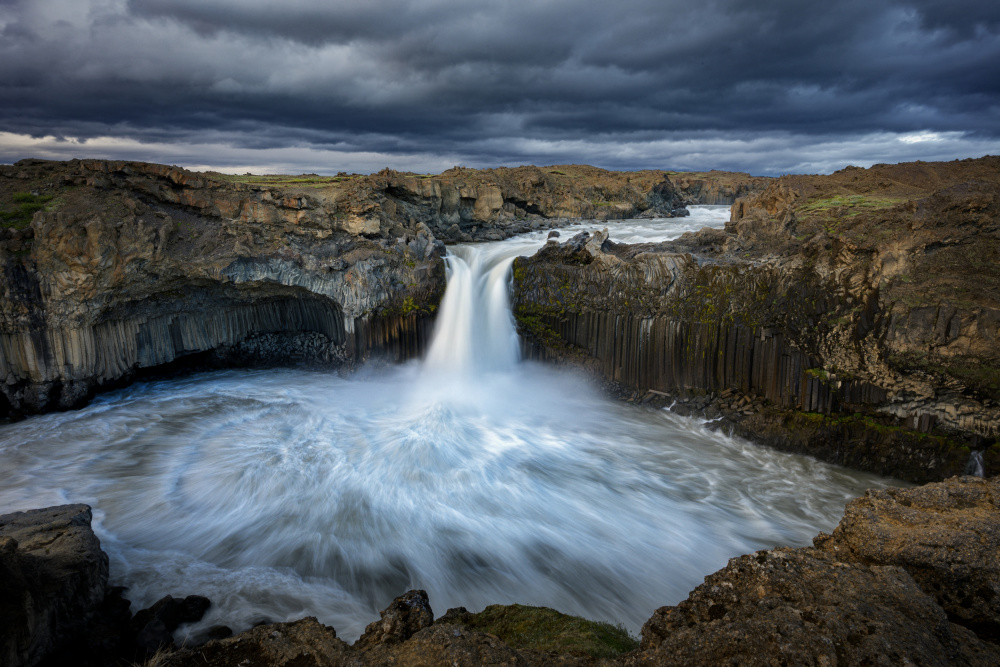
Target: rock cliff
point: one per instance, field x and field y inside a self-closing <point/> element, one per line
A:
<point x="856" y="313"/>
<point x="716" y="187"/>
<point x="52" y="579"/>
<point x="113" y="268"/>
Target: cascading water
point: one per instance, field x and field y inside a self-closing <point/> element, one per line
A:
<point x="475" y="330"/>
<point x="290" y="492"/>
<point x="975" y="466"/>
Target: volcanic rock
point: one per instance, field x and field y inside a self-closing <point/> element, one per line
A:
<point x="52" y="579"/>
<point x="945" y="535"/>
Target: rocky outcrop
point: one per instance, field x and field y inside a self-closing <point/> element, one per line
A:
<point x="908" y="577"/>
<point x="139" y="266"/>
<point x="492" y="204"/>
<point x="805" y="302"/>
<point x="807" y="607"/>
<point x="944" y="535"/>
<point x="52" y="578"/>
<point x="716" y="187"/>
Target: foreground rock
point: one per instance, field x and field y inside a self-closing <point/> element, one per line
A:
<point x="857" y="312"/>
<point x="910" y="576"/>
<point x="805" y="607"/>
<point x="897" y="583"/>
<point x="52" y="580"/>
<point x="945" y="536"/>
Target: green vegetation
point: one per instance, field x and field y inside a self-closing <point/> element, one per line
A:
<point x="975" y="373"/>
<point x="854" y="203"/>
<point x="818" y="373"/>
<point x="544" y="629"/>
<point x="22" y="208"/>
<point x="532" y="318"/>
<point x="557" y="172"/>
<point x="307" y="180"/>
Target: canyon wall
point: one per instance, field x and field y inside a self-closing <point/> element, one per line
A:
<point x="130" y="266"/>
<point x="832" y="316"/>
<point x="110" y="269"/>
<point x="716" y="187"/>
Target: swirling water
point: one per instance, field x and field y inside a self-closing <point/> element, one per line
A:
<point x="292" y="492"/>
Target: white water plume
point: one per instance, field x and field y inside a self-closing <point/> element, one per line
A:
<point x="285" y="493"/>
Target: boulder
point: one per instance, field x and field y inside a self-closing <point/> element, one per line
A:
<point x="806" y="607"/>
<point x="408" y="614"/>
<point x="53" y="576"/>
<point x="945" y="535"/>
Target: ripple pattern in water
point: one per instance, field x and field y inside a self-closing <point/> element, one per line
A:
<point x="282" y="493"/>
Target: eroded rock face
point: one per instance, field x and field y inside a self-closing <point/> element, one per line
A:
<point x="945" y="535"/>
<point x="805" y="607"/>
<point x="52" y="578"/>
<point x="130" y="266"/>
<point x="142" y="265"/>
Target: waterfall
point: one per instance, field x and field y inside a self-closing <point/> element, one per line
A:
<point x="475" y="328"/>
<point x="475" y="331"/>
<point x="975" y="465"/>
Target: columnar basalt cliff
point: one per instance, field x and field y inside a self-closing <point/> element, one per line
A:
<point x="855" y="315"/>
<point x="130" y="266"/>
<point x="110" y="268"/>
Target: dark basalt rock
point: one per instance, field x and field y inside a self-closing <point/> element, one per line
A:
<point x="407" y="615"/>
<point x="52" y="579"/>
<point x="154" y="627"/>
<point x="806" y="300"/>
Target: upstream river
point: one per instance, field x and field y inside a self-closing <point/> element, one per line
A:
<point x="480" y="478"/>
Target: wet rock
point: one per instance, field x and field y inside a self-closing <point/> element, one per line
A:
<point x="154" y="627"/>
<point x="295" y="644"/>
<point x="52" y="579"/>
<point x="406" y="615"/>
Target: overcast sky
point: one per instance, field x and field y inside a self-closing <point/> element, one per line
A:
<point x="766" y="86"/>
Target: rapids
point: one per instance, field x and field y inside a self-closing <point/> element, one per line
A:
<point x="292" y="492"/>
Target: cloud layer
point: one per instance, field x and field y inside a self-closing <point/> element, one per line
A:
<point x="769" y="87"/>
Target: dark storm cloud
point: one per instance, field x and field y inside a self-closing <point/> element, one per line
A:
<point x="627" y="86"/>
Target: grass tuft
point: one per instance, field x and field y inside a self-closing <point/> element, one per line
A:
<point x="547" y="630"/>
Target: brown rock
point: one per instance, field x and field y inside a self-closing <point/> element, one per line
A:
<point x="444" y="645"/>
<point x="805" y="607"/>
<point x="946" y="535"/>
<point x="408" y="614"/>
<point x="301" y="643"/>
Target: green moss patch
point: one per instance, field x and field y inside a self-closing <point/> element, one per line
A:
<point x="306" y="180"/>
<point x="977" y="374"/>
<point x="544" y="629"/>
<point x="23" y="205"/>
